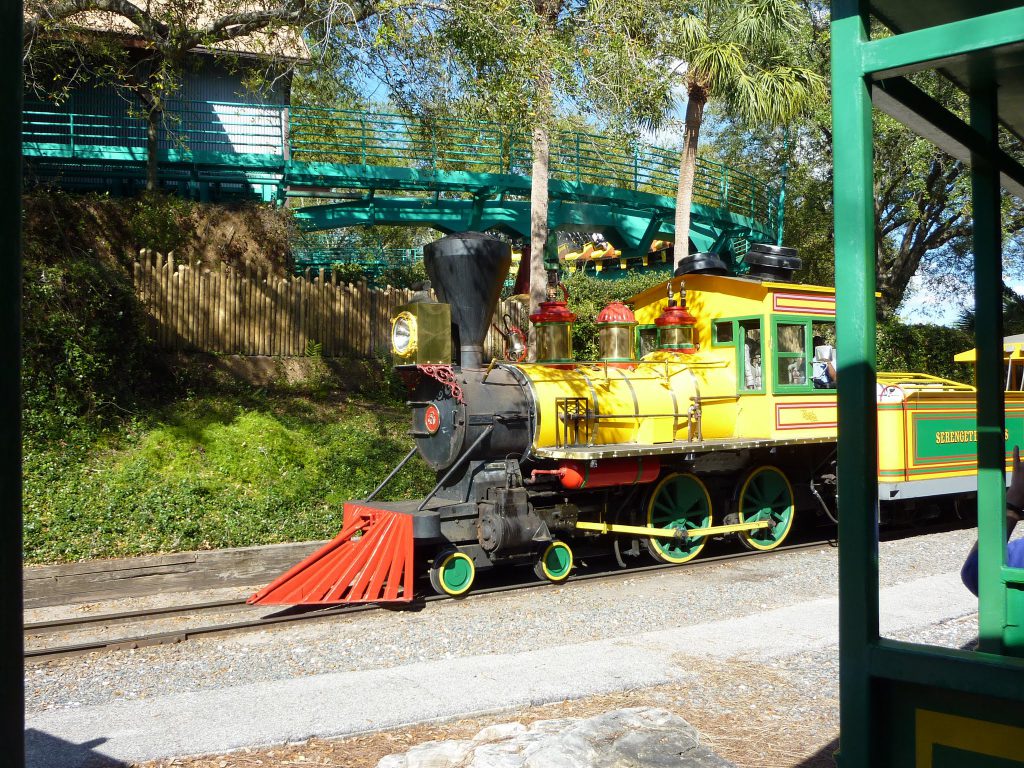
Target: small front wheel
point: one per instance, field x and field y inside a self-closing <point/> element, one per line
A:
<point x="452" y="573"/>
<point x="555" y="563"/>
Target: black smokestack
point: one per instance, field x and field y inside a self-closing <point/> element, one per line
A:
<point x="467" y="270"/>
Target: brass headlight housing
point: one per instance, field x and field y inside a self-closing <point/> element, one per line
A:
<point x="403" y="334"/>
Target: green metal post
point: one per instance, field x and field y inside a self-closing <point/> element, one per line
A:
<point x="989" y="334"/>
<point x="855" y="301"/>
<point x="578" y="156"/>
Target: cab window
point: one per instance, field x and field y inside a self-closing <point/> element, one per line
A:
<point x="751" y="356"/>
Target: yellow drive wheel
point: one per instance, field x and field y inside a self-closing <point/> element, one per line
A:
<point x="681" y="502"/>
<point x="766" y="495"/>
<point x="452" y="573"/>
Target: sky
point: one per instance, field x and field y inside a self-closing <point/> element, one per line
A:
<point x="924" y="305"/>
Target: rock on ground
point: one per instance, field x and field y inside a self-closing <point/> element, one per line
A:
<point x="642" y="737"/>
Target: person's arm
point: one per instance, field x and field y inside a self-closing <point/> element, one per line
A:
<point x="1014" y="512"/>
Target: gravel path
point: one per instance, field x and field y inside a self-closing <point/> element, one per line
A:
<point x="511" y="623"/>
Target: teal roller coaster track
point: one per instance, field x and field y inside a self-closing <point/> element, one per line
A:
<point x="351" y="168"/>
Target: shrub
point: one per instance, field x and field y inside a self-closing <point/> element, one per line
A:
<point x="155" y="221"/>
<point x="922" y="349"/>
<point x="588" y="296"/>
<point x="86" y="352"/>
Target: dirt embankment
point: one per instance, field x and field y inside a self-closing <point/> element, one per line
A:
<point x="60" y="224"/>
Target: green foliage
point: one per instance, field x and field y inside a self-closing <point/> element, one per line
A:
<point x="1013" y="314"/>
<point x="922" y="349"/>
<point x="922" y="196"/>
<point x="403" y="275"/>
<point x="155" y="220"/>
<point x="744" y="53"/>
<point x="395" y="275"/>
<point x="589" y="295"/>
<point x="86" y="351"/>
<point x="213" y="471"/>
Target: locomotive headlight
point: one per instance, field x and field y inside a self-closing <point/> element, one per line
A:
<point x="403" y="334"/>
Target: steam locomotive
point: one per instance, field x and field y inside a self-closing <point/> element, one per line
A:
<point x="711" y="412"/>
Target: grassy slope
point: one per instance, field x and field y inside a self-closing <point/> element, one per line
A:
<point x="214" y="471"/>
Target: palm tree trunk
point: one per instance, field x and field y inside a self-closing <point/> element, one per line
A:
<point x="539" y="175"/>
<point x="687" y="164"/>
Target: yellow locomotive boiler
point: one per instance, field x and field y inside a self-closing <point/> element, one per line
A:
<point x="711" y="412"/>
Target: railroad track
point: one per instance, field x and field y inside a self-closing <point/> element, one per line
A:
<point x="36" y="630"/>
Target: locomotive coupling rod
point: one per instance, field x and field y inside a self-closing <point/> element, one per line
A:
<point x="672" y="533"/>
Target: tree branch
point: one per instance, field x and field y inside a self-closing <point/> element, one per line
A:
<point x="150" y="27"/>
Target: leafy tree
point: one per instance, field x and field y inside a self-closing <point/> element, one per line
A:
<point x="530" y="63"/>
<point x="1013" y="314"/>
<point x="68" y="42"/>
<point x="740" y="53"/>
<point x="922" y="195"/>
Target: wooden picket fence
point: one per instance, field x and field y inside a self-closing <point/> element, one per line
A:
<point x="252" y="312"/>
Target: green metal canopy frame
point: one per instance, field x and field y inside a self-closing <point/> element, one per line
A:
<point x="905" y="704"/>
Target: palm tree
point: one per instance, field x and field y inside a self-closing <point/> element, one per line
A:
<point x="1013" y="313"/>
<point x="739" y="52"/>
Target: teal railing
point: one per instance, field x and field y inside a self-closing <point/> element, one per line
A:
<point x="189" y="129"/>
<point x="192" y="131"/>
<point x="387" y="139"/>
<point x="373" y="262"/>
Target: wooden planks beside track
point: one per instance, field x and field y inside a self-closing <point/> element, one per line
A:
<point x="139" y="576"/>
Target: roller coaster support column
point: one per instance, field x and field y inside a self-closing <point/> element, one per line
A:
<point x="855" y="294"/>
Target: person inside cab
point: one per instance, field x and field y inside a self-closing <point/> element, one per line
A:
<point x="823" y="368"/>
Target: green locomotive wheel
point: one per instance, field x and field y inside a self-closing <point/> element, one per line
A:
<point x="555" y="563"/>
<point x="681" y="502"/>
<point x="766" y="495"/>
<point x="452" y="573"/>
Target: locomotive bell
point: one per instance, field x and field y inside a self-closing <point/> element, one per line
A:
<point x="616" y="325"/>
<point x="676" y="325"/>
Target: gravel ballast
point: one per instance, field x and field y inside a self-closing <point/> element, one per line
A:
<point x="465" y="655"/>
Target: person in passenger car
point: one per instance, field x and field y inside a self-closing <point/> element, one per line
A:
<point x="752" y="369"/>
<point x="1014" y="512"/>
<point x="823" y="368"/>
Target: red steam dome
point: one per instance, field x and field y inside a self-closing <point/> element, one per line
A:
<point x="616" y="313"/>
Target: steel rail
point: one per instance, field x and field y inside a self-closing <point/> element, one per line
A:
<point x="289" y="615"/>
<point x="296" y="613"/>
<point x="42" y="628"/>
